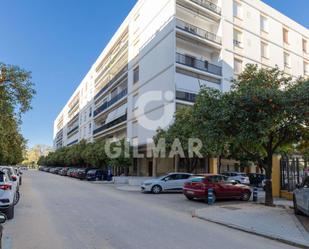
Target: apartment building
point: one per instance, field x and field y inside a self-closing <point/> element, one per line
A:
<point x="175" y="46"/>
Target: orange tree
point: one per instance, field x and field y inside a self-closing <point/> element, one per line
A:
<point x="264" y="112"/>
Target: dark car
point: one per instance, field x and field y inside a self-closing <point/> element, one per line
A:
<point x="57" y="170"/>
<point x="82" y="173"/>
<point x="256" y="179"/>
<point x="197" y="188"/>
<point x="95" y="175"/>
<point x="64" y="171"/>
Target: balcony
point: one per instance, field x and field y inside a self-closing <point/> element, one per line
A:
<point x="112" y="81"/>
<point x="111" y="102"/>
<point x="111" y="124"/>
<point x="71" y="131"/>
<point x="72" y="143"/>
<point x="198" y="64"/>
<point x="199" y="32"/>
<point x="208" y="5"/>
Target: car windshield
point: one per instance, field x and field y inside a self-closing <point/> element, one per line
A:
<point x="92" y="172"/>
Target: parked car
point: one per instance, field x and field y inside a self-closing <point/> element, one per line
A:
<point x="63" y="171"/>
<point x="14" y="178"/>
<point x="197" y="188"/>
<point x="2" y="220"/>
<point x="57" y="170"/>
<point x="170" y="182"/>
<point x="301" y="198"/>
<point x="82" y="173"/>
<point x="69" y="172"/>
<point x="19" y="175"/>
<point x="256" y="179"/>
<point x="95" y="175"/>
<point x="238" y="177"/>
<point x="7" y="194"/>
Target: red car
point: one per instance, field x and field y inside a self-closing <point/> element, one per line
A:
<point x="197" y="188"/>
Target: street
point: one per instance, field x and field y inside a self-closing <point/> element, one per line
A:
<point x="63" y="213"/>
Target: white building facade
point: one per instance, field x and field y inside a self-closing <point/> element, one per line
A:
<point x="175" y="46"/>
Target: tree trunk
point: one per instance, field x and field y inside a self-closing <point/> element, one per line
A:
<point x="268" y="187"/>
<point x="220" y="164"/>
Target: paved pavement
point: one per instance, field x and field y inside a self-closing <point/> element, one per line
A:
<point x="272" y="222"/>
<point x="62" y="213"/>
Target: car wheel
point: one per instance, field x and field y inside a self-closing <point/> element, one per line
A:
<point x="16" y="198"/>
<point x="156" y="189"/>
<point x="190" y="198"/>
<point x="10" y="212"/>
<point x="296" y="210"/>
<point x="246" y="196"/>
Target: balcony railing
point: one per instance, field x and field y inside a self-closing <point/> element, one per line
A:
<point x="198" y="64"/>
<point x="70" y="132"/>
<point x="208" y="5"/>
<point x="72" y="143"/>
<point x="111" y="102"/>
<point x="112" y="81"/>
<point x="111" y="124"/>
<point x="198" y="31"/>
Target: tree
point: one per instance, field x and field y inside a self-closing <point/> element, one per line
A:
<point x="32" y="155"/>
<point x="182" y="131"/>
<point x="264" y="111"/>
<point x="16" y="93"/>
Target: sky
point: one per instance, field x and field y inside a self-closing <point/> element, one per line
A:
<point x="59" y="40"/>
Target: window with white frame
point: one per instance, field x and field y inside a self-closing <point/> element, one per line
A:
<point x="237" y="66"/>
<point x="136" y="74"/>
<point x="264" y="23"/>
<point x="264" y="50"/>
<point x="237" y="9"/>
<point x="287" y="62"/>
<point x="285" y="35"/>
<point x="237" y="38"/>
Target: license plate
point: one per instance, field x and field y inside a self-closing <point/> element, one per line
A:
<point x="190" y="192"/>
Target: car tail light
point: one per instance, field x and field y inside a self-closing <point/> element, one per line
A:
<point x="6" y="187"/>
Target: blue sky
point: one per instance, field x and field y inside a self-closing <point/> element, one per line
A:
<point x="58" y="40"/>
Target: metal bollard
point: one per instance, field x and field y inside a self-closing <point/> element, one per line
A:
<point x="255" y="194"/>
<point x="210" y="196"/>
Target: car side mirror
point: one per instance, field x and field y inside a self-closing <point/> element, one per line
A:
<point x="2" y="218"/>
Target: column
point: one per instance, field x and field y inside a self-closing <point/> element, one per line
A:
<point x="213" y="165"/>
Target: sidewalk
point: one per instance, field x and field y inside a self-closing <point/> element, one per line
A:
<point x="128" y="188"/>
<point x="271" y="222"/>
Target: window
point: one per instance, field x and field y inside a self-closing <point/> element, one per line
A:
<point x="136" y="74"/>
<point x="305" y="46"/>
<point x="237" y="38"/>
<point x="264" y="50"/>
<point x="90" y="112"/>
<point x="306" y="68"/>
<point x="89" y="129"/>
<point x="285" y="35"/>
<point x="286" y="59"/>
<point x="237" y="66"/>
<point x="237" y="10"/>
<point x="264" y="23"/>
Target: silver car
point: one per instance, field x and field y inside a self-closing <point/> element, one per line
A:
<point x="301" y="198"/>
<point x="7" y="194"/>
<point x="170" y="182"/>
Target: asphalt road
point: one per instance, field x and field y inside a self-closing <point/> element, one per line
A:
<point x="62" y="213"/>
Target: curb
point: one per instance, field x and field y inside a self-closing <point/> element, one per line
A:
<point x="254" y="232"/>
